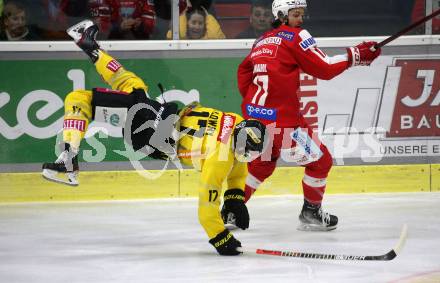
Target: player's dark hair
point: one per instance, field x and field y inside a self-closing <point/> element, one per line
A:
<point x="277" y="23"/>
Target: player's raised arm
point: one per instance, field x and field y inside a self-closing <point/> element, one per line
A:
<point x="317" y="63"/>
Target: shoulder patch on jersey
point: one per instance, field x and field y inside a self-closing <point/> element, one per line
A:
<point x="273" y="40"/>
<point x="287" y="35"/>
<point x="307" y="40"/>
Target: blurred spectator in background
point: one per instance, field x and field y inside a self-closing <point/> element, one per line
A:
<point x="419" y="11"/>
<point x="163" y="17"/>
<point x="101" y="13"/>
<point x="59" y="15"/>
<point x="195" y="19"/>
<point x="260" y="19"/>
<point x="1" y="7"/>
<point x="196" y="23"/>
<point x="14" y="24"/>
<point x="124" y="19"/>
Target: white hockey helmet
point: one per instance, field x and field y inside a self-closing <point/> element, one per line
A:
<point x="280" y="8"/>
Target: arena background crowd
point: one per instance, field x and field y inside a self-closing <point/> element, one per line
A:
<point x="47" y="20"/>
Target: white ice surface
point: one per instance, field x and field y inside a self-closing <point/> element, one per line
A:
<point x="162" y="241"/>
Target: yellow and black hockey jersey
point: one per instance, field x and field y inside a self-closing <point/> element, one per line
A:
<point x="205" y="144"/>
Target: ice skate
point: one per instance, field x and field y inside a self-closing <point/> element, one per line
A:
<point x="64" y="170"/>
<point x="84" y="35"/>
<point x="313" y="218"/>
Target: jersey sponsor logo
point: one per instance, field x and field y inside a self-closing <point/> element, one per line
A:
<point x="226" y="127"/>
<point x="74" y="124"/>
<point x="307" y="145"/>
<point x="259" y="112"/>
<point x="266" y="51"/>
<point x="287" y="35"/>
<point x="307" y="43"/>
<point x="113" y="65"/>
<point x="273" y="40"/>
<point x="114" y="119"/>
<point x="112" y="115"/>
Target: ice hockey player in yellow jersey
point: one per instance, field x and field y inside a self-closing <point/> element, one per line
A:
<point x="216" y="143"/>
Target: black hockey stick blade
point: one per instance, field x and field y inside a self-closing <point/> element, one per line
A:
<point x="385" y="257"/>
<point x="405" y="30"/>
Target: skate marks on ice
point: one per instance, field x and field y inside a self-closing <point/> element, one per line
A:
<point x="161" y="241"/>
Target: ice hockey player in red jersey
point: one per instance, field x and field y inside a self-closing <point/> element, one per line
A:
<point x="268" y="80"/>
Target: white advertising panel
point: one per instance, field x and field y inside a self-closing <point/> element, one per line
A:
<point x="390" y="109"/>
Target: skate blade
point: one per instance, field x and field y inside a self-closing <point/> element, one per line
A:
<point x="51" y="175"/>
<point x="76" y="31"/>
<point x="314" y="227"/>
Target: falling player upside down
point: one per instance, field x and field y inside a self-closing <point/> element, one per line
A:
<point x="208" y="139"/>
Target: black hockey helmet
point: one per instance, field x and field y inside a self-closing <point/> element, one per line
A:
<point x="249" y="139"/>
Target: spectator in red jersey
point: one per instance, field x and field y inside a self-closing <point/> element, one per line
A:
<point x="101" y="13"/>
<point x="124" y="19"/>
<point x="268" y="80"/>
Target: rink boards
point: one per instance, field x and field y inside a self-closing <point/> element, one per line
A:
<point x="123" y="185"/>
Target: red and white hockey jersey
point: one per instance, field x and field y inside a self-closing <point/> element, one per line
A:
<point x="111" y="12"/>
<point x="268" y="78"/>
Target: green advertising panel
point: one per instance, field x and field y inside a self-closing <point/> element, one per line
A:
<point x="32" y="94"/>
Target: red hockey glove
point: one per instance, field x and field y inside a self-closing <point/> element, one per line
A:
<point x="361" y="54"/>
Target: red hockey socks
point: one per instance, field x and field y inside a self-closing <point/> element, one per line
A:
<point x="313" y="189"/>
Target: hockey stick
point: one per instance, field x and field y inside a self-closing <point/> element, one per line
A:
<point x="385" y="257"/>
<point x="405" y="30"/>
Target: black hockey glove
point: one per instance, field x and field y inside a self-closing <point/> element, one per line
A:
<point x="235" y="208"/>
<point x="226" y="244"/>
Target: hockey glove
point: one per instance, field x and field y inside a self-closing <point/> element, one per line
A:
<point x="361" y="54"/>
<point x="226" y="244"/>
<point x="235" y="208"/>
